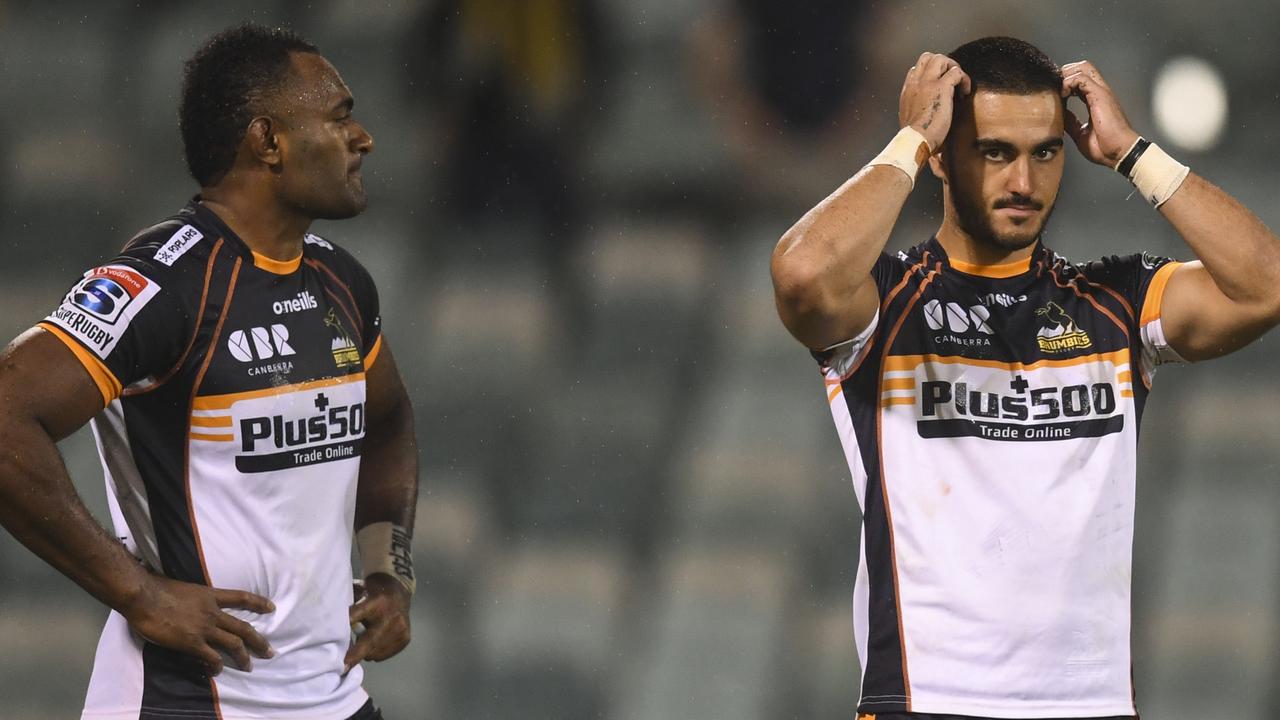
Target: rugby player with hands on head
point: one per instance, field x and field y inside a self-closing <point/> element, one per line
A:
<point x="988" y="392"/>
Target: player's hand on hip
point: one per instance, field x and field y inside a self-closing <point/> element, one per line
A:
<point x="927" y="102"/>
<point x="189" y="618"/>
<point x="384" y="613"/>
<point x="1106" y="135"/>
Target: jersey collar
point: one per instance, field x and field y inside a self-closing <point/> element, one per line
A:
<point x="994" y="272"/>
<point x="209" y="217"/>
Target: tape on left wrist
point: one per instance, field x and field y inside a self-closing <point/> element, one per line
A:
<point x="385" y="547"/>
<point x="1155" y="174"/>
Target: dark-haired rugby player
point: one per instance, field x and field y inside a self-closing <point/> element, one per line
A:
<point x="988" y="392"/>
<point x="248" y="411"/>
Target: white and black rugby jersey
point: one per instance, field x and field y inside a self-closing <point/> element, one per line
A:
<point x="989" y="416"/>
<point x="234" y="392"/>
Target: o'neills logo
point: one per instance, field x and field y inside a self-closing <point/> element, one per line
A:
<point x="1060" y="333"/>
<point x="302" y="301"/>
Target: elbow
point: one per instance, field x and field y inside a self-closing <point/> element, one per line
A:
<point x="797" y="286"/>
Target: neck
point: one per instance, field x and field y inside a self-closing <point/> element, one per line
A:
<point x="266" y="227"/>
<point x="963" y="247"/>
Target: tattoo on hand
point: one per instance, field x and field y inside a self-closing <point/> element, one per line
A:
<point x="933" y="110"/>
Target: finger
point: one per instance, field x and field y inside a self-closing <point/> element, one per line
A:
<point x="246" y="632"/>
<point x="357" y="652"/>
<point x="234" y="647"/>
<point x="211" y="659"/>
<point x="955" y="77"/>
<point x="1074" y="127"/>
<point x="360" y="611"/>
<point x="242" y="600"/>
<point x="1079" y="84"/>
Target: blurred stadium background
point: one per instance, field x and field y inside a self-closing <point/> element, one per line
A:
<point x="633" y="501"/>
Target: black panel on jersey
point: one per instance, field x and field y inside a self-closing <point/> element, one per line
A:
<point x="885" y="685"/>
<point x="175" y="684"/>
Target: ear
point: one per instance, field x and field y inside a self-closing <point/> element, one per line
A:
<point x="260" y="139"/>
<point x="937" y="166"/>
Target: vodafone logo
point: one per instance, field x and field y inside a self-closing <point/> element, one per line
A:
<point x="956" y="318"/>
<point x="260" y="343"/>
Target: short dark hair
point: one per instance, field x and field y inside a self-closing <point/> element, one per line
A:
<point x="222" y="86"/>
<point x="1007" y="65"/>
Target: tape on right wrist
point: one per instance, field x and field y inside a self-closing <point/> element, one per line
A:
<point x="907" y="151"/>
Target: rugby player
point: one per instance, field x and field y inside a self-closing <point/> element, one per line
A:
<point x="987" y="392"/>
<point x="248" y="412"/>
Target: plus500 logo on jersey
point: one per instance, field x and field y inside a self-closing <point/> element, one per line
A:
<point x="954" y="409"/>
<point x="98" y="310"/>
<point x="332" y="432"/>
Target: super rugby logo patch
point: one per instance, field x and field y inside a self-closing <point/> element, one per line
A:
<point x="100" y="307"/>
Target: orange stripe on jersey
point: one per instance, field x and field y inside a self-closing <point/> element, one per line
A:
<point x="903" y="383"/>
<point x="1124" y="376"/>
<point x="219" y="421"/>
<point x="831" y="396"/>
<point x="1155" y="292"/>
<point x="909" y="400"/>
<point x="212" y="438"/>
<point x="223" y="402"/>
<point x="1003" y="270"/>
<point x="106" y="381"/>
<point x="276" y="267"/>
<point x="911" y="362"/>
<point x="1126" y="393"/>
<point x="373" y="353"/>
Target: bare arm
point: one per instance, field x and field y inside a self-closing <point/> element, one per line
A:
<point x="822" y="266"/>
<point x="1230" y="296"/>
<point x="47" y="394"/>
<point x="387" y="492"/>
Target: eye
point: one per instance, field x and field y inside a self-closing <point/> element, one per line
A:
<point x="995" y="154"/>
<point x="1045" y="153"/>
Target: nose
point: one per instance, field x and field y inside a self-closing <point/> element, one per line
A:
<point x="361" y="140"/>
<point x="1018" y="180"/>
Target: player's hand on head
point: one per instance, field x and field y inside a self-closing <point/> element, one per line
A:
<point x="1105" y="135"/>
<point x="384" y="612"/>
<point x="927" y="102"/>
<point x="189" y="618"/>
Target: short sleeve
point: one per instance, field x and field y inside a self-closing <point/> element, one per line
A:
<point x="122" y="323"/>
<point x="1141" y="280"/>
<point x="887" y="272"/>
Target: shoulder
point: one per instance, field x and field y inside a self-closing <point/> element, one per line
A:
<point x="173" y="253"/>
<point x="1120" y="266"/>
<point x="338" y="264"/>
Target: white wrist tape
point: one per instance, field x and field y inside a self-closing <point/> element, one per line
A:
<point x="907" y="151"/>
<point x="1157" y="176"/>
<point x="387" y="548"/>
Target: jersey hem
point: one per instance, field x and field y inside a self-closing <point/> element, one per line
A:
<point x="343" y="712"/>
<point x="1023" y="709"/>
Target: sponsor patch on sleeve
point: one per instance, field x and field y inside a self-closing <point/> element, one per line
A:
<point x="100" y="307"/>
<point x="182" y="241"/>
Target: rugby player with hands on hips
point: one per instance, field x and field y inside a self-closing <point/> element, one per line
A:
<point x="250" y="417"/>
<point x="987" y="391"/>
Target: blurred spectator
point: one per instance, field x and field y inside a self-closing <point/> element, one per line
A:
<point x="783" y="82"/>
<point x="514" y="86"/>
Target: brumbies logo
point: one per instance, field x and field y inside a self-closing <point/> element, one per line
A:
<point x="1060" y="333"/>
<point x="345" y="352"/>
